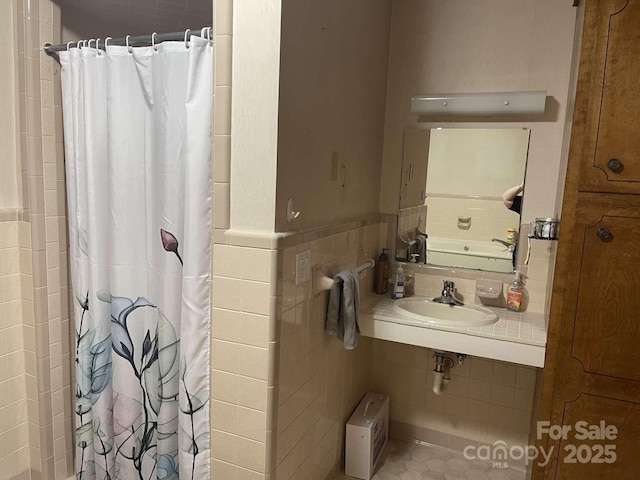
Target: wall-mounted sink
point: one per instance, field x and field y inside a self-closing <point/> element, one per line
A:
<point x="426" y="310"/>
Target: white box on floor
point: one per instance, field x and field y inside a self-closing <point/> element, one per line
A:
<point x="367" y="433"/>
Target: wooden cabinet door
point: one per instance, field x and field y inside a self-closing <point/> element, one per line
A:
<point x="611" y="155"/>
<point x="605" y="458"/>
<point x="592" y="369"/>
<point x="607" y="320"/>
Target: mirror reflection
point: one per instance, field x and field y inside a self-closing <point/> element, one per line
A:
<point x="461" y="197"/>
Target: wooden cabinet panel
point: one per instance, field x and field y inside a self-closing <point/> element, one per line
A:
<point x="590" y="463"/>
<point x="591" y="370"/>
<point x="592" y="361"/>
<point x="607" y="320"/>
<point x="612" y="154"/>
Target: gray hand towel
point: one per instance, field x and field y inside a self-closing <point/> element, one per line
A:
<point x="342" y="311"/>
<point x="421" y="241"/>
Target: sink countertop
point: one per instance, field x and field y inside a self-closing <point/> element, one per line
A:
<point x="526" y="329"/>
<point x="519" y="327"/>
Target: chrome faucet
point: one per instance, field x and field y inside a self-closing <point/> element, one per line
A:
<point x="510" y="246"/>
<point x="448" y="295"/>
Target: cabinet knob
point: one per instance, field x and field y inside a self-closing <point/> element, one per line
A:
<point x="614" y="165"/>
<point x="604" y="234"/>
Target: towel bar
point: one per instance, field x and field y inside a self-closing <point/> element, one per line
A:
<point x="322" y="283"/>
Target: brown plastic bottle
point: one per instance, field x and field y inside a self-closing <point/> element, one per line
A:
<point x="381" y="283"/>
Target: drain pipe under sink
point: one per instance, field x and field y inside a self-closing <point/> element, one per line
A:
<point x="442" y="372"/>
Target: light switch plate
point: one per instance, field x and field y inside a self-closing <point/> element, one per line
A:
<point x="303" y="267"/>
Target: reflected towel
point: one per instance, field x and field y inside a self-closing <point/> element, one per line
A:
<point x="421" y="247"/>
<point x="342" y="311"/>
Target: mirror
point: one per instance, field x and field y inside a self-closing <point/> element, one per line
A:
<point x="452" y="212"/>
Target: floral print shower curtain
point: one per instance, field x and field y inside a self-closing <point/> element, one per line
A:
<point x="137" y="128"/>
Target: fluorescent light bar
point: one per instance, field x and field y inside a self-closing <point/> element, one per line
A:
<point x="480" y="104"/>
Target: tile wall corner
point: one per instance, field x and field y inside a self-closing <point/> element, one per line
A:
<point x="45" y="283"/>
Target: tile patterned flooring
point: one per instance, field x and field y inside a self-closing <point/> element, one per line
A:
<point x="409" y="461"/>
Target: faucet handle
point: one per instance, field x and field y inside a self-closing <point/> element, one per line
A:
<point x="448" y="285"/>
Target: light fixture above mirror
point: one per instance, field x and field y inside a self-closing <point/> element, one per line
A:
<point x="480" y="104"/>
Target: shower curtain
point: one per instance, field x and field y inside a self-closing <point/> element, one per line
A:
<point x="137" y="129"/>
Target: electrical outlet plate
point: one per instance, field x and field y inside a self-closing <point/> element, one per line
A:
<point x="303" y="267"/>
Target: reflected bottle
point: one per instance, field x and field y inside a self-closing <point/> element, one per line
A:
<point x="381" y="283"/>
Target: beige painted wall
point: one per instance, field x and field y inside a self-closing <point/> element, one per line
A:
<point x="76" y="27"/>
<point x="332" y="89"/>
<point x="9" y="164"/>
<point x="470" y="46"/>
<point x="254" y="116"/>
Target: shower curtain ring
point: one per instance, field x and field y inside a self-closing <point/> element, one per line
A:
<point x="89" y="43"/>
<point x="206" y="33"/>
<point x="98" y="47"/>
<point x="186" y="34"/>
<point x="129" y="47"/>
<point x="68" y="45"/>
<point x="153" y="41"/>
<point x="106" y="43"/>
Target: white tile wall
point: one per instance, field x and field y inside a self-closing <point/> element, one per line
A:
<point x="17" y="356"/>
<point x="489" y="218"/>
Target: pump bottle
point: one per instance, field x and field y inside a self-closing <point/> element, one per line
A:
<point x="514" y="294"/>
<point x="398" y="284"/>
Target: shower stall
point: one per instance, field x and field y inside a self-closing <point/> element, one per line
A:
<point x="40" y="347"/>
<point x="280" y="390"/>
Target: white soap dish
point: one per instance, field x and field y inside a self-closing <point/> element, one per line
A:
<point x="489" y="292"/>
<point x="490" y="289"/>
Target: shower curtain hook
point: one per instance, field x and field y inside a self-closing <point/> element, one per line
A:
<point x="209" y="31"/>
<point x="92" y="40"/>
<point x="186" y="34"/>
<point x="106" y="43"/>
<point x="129" y="48"/>
<point x="68" y="45"/>
<point x="98" y="47"/>
<point x="153" y="41"/>
<point x="206" y="33"/>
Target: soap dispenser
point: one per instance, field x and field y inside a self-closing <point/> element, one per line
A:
<point x="398" y="284"/>
<point x="514" y="294"/>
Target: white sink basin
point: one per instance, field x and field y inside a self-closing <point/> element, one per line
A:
<point x="428" y="311"/>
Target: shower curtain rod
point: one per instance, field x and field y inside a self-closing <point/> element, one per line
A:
<point x="138" y="41"/>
